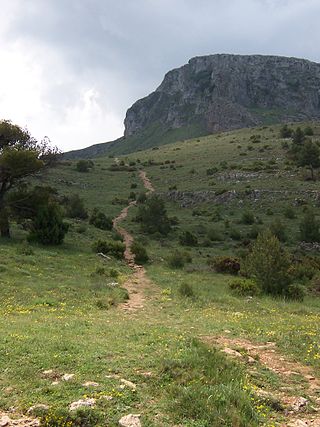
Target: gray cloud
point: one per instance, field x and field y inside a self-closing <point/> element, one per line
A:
<point x="79" y="64"/>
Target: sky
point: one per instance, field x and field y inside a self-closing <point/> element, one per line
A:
<point x="69" y="69"/>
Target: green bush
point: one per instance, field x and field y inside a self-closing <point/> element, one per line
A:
<point x="214" y="235"/>
<point x="234" y="234"/>
<point x="309" y="228"/>
<point x="48" y="227"/>
<point x="289" y="212"/>
<point x="84" y="165"/>
<point x="247" y="218"/>
<point x="268" y="264"/>
<point x="109" y="247"/>
<point x="279" y="230"/>
<point x="75" y="207"/>
<point x="188" y="239"/>
<point x="153" y="216"/>
<point x="186" y="290"/>
<point x="244" y="287"/>
<point x="100" y="220"/>
<point x="79" y="418"/>
<point x="178" y="259"/>
<point x="296" y="292"/>
<point x="225" y="264"/>
<point x="140" y="252"/>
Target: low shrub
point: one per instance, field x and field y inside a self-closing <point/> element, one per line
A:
<point x="214" y="235"/>
<point x="225" y="264"/>
<point x="100" y="220"/>
<point x="178" y="259"/>
<point x="244" y="287"/>
<point x="109" y="247"/>
<point x="279" y="230"/>
<point x="188" y="239"/>
<point x="296" y="292"/>
<point x="186" y="290"/>
<point x="234" y="234"/>
<point x="79" y="418"/>
<point x="289" y="212"/>
<point x="140" y="253"/>
<point x="247" y="218"/>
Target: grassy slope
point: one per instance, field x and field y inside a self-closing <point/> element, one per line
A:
<point x="50" y="318"/>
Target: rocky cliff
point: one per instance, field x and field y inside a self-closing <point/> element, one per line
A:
<point x="222" y="92"/>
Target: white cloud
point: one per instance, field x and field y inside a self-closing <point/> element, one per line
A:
<point x="70" y="69"/>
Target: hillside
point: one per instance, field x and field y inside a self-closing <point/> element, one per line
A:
<point x="217" y="93"/>
<point x="185" y="349"/>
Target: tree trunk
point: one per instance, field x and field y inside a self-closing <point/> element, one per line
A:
<point x="4" y="223"/>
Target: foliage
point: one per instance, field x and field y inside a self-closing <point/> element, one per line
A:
<point x="279" y="230"/>
<point x="188" y="239"/>
<point x="20" y="156"/>
<point x="153" y="216"/>
<point x="84" y="165"/>
<point x="247" y="218"/>
<point x="109" y="247"/>
<point x="268" y="264"/>
<point x="298" y="136"/>
<point x="296" y="292"/>
<point x="140" y="252"/>
<point x="178" y="259"/>
<point x="309" y="228"/>
<point x="285" y="131"/>
<point x="186" y="290"/>
<point x="309" y="156"/>
<point x="244" y="287"/>
<point x="48" y="227"/>
<point x="79" y="418"/>
<point x="225" y="264"/>
<point x="75" y="207"/>
<point x="100" y="220"/>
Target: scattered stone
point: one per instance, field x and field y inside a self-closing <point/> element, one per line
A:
<point x="67" y="377"/>
<point x="146" y="374"/>
<point x="47" y="373"/>
<point x="251" y="360"/>
<point x="310" y="377"/>
<point x="231" y="352"/>
<point x="4" y="421"/>
<point x="298" y="423"/>
<point x="128" y="384"/>
<point x="299" y="404"/>
<point x="38" y="407"/>
<point x="90" y="384"/>
<point x="130" y="420"/>
<point x="55" y="382"/>
<point x="89" y="403"/>
<point x="112" y="376"/>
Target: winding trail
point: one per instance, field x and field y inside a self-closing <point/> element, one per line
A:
<point x="138" y="283"/>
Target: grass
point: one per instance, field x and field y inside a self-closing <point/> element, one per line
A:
<point x="58" y="306"/>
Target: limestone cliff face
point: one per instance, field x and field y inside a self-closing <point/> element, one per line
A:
<point x="222" y="92"/>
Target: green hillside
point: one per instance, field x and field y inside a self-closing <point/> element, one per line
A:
<point x="62" y="313"/>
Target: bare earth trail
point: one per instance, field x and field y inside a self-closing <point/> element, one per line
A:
<point x="303" y="403"/>
<point x="138" y="283"/>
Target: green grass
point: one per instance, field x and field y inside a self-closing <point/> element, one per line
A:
<point x="57" y="312"/>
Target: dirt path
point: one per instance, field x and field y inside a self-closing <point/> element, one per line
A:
<point x="301" y="399"/>
<point x="138" y="283"/>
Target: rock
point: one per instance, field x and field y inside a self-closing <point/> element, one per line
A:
<point x="251" y="360"/>
<point x="299" y="403"/>
<point x="39" y="407"/>
<point x="298" y="423"/>
<point x="67" y="377"/>
<point x="4" y="421"/>
<point x="130" y="420"/>
<point x="82" y="403"/>
<point x="129" y="384"/>
<point x="90" y="384"/>
<point x="310" y="377"/>
<point x="232" y="353"/>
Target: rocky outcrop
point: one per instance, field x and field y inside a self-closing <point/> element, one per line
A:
<point x="223" y="92"/>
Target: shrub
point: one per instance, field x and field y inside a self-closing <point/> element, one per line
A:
<point x="279" y="230"/>
<point x="309" y="228"/>
<point x="268" y="264"/>
<point x="48" y="227"/>
<point x="308" y="131"/>
<point x="109" y="247"/>
<point x="133" y="185"/>
<point x="296" y="292"/>
<point x="186" y="290"/>
<point x="178" y="259"/>
<point x="142" y="197"/>
<point x="247" y="218"/>
<point x="112" y="272"/>
<point x="244" y="287"/>
<point x="253" y="232"/>
<point x="285" y="132"/>
<point x="214" y="235"/>
<point x="188" y="239"/>
<point x="140" y="253"/>
<point x="100" y="220"/>
<point x="289" y="212"/>
<point x="84" y="165"/>
<point x="235" y="234"/>
<point x="25" y="249"/>
<point x="79" y="418"/>
<point x="225" y="264"/>
<point x="75" y="207"/>
<point x="153" y="216"/>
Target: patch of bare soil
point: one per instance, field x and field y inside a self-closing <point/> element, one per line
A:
<point x="138" y="283"/>
<point x="300" y="411"/>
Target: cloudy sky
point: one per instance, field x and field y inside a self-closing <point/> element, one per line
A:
<point x="69" y="69"/>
